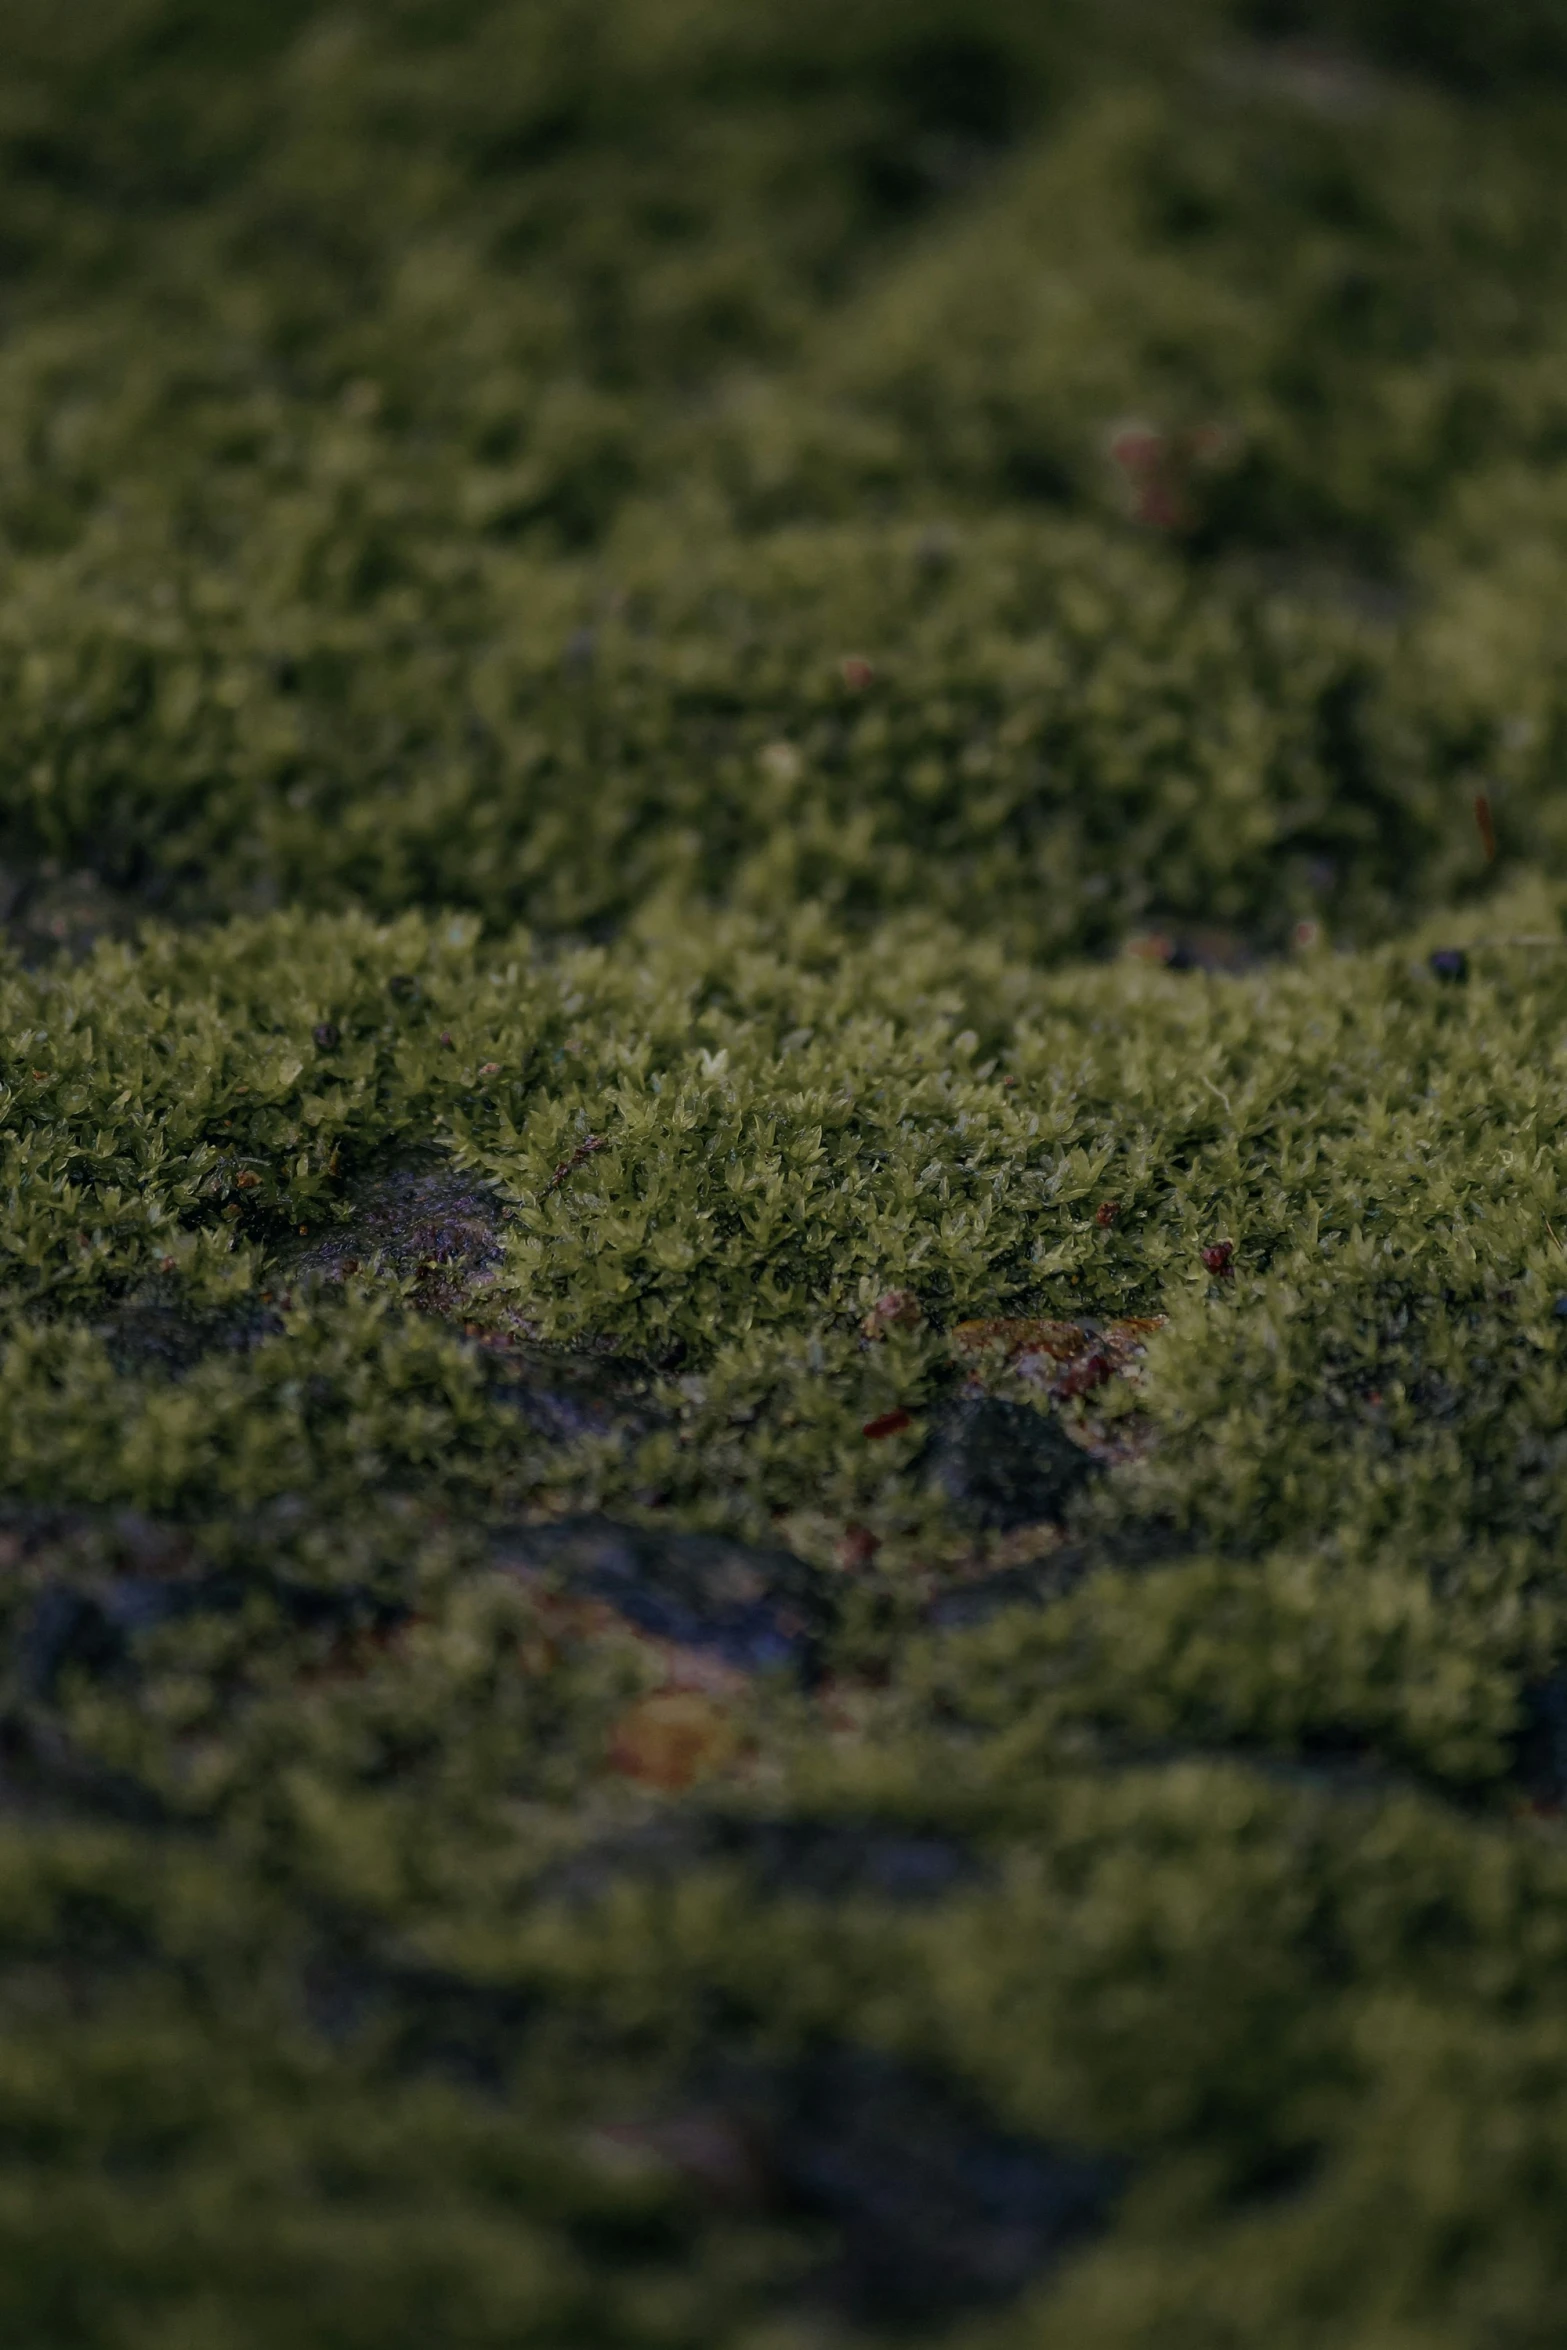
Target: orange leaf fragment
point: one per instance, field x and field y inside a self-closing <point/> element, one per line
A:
<point x="1027" y="1335"/>
<point x="583" y="1152"/>
<point x="672" y="1738"/>
<point x="1123" y="1336"/>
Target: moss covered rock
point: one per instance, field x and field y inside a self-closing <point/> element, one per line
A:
<point x="783" y="1294"/>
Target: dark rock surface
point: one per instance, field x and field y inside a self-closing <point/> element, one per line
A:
<point x="1005" y="1465"/>
<point x="417" y="1217"/>
<point x="153" y="1337"/>
<point x="1540" y="1766"/>
<point x="566" y="1397"/>
<point x="93" y="1626"/>
<point x="49" y="914"/>
<point x="758" y="1610"/>
<point x="93" y="1630"/>
<point x="934" y="2209"/>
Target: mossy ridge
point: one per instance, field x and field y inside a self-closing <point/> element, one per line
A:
<point x="1059" y="726"/>
<point x="402" y="1792"/>
<point x="830" y="515"/>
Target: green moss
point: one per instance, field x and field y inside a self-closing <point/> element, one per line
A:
<point x="687" y="695"/>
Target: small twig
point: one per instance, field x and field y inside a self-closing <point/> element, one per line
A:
<point x="583" y="1151"/>
<point x="1486" y="824"/>
<point x="1551" y="1229"/>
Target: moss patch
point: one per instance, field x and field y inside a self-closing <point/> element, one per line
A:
<point x="783" y="1297"/>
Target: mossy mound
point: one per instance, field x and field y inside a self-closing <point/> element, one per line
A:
<point x="784" y="1295"/>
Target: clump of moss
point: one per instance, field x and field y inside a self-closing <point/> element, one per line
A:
<point x="783" y="1302"/>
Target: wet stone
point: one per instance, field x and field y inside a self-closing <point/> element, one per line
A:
<point x="935" y="2209"/>
<point x="419" y="1218"/>
<point x="1004" y="1465"/>
<point x="756" y="1610"/>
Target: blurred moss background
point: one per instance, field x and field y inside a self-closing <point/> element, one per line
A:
<point x="444" y="453"/>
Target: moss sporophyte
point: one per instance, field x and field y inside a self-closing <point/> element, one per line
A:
<point x="783" y="1032"/>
